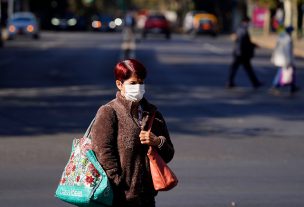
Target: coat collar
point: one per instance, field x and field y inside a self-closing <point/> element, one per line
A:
<point x="130" y="104"/>
<point x="147" y="108"/>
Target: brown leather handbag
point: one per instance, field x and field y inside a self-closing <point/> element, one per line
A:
<point x="163" y="177"/>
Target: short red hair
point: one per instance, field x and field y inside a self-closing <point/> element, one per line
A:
<point x="126" y="68"/>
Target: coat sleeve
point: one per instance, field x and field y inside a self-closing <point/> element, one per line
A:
<point x="104" y="142"/>
<point x="166" y="151"/>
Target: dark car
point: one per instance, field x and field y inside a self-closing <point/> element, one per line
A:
<point x="1" y="40"/>
<point x="157" y="24"/>
<point x="23" y="23"/>
<point x="103" y="23"/>
<point x="68" y="22"/>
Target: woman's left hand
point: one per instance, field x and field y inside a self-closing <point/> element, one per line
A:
<point x="149" y="138"/>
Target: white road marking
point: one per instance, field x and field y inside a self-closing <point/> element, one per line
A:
<point x="214" y="49"/>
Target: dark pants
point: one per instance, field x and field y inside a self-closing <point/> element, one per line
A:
<point x="143" y="202"/>
<point x="237" y="61"/>
<point x="136" y="205"/>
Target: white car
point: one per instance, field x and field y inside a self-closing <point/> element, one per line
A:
<point x="23" y="23"/>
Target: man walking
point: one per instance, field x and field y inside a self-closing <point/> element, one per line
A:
<point x="242" y="54"/>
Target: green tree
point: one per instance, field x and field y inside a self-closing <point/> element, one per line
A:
<point x="266" y="3"/>
<point x="83" y="7"/>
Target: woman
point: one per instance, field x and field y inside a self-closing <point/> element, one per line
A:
<point x="120" y="138"/>
<point x="283" y="58"/>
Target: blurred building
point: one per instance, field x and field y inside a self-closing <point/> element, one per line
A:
<point x="8" y="7"/>
<point x="269" y="16"/>
<point x="228" y="12"/>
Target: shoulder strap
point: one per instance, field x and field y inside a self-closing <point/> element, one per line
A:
<point x="151" y="121"/>
<point x="88" y="131"/>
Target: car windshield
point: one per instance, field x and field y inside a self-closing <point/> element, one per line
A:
<point x="204" y="20"/>
<point x="22" y="19"/>
<point x="158" y="17"/>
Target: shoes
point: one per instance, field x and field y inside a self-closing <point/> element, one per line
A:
<point x="274" y="91"/>
<point x="258" y="85"/>
<point x="230" y="85"/>
<point x="295" y="89"/>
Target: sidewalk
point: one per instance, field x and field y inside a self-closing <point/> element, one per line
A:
<point x="270" y="41"/>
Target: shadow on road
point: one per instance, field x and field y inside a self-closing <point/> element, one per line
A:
<point x="54" y="90"/>
<point x="195" y="102"/>
<point x="58" y="90"/>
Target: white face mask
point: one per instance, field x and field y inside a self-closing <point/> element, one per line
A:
<point x="134" y="92"/>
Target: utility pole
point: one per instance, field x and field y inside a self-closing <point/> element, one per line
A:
<point x="295" y="17"/>
<point x="10" y="8"/>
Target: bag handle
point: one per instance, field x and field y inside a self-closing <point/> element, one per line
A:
<point x="151" y="121"/>
<point x="149" y="130"/>
<point x="88" y="131"/>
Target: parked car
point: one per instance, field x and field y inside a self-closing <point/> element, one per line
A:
<point x="68" y="22"/>
<point x="157" y="24"/>
<point x="198" y="22"/>
<point x="1" y="40"/>
<point x="23" y="23"/>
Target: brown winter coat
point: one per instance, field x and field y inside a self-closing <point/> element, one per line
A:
<point x="116" y="142"/>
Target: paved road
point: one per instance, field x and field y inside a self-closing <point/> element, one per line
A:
<point x="239" y="145"/>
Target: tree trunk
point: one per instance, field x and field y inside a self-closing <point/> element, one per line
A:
<point x="295" y="17"/>
<point x="287" y="10"/>
<point x="267" y="23"/>
<point x="291" y="15"/>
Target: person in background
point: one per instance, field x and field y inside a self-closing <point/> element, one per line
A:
<point x="1" y="40"/>
<point x="129" y="37"/>
<point x="243" y="52"/>
<point x="283" y="58"/>
<point x="129" y="21"/>
<point x="120" y="138"/>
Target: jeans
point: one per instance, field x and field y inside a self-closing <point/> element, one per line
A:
<point x="237" y="61"/>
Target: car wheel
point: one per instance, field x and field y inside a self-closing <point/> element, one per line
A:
<point x="214" y="34"/>
<point x="144" y="35"/>
<point x="168" y="35"/>
<point x="10" y="37"/>
<point x="36" y="36"/>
